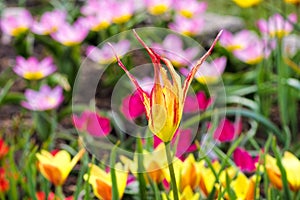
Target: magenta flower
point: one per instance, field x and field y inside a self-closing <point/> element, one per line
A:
<point x="244" y="160"/>
<point x="15" y="21"/>
<point x="49" y="22"/>
<point x="105" y="54"/>
<point x="70" y="35"/>
<point x="183" y="138"/>
<point x="158" y="7"/>
<point x="277" y="26"/>
<point x="44" y="99"/>
<point x="173" y="48"/>
<point x="190" y="8"/>
<point x="32" y="69"/>
<point x="93" y="123"/>
<point x="227" y="131"/>
<point x="123" y="11"/>
<point x="132" y="106"/>
<point x="196" y="103"/>
<point x="187" y="26"/>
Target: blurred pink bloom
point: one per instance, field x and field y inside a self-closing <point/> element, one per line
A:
<point x="277" y="26"/>
<point x="189" y="8"/>
<point x="92" y="7"/>
<point x="15" y="21"/>
<point x="49" y="22"/>
<point x="244" y="160"/>
<point x="183" y="138"/>
<point x="187" y="26"/>
<point x="93" y="123"/>
<point x="105" y="55"/>
<point x="173" y="49"/>
<point x="132" y="106"/>
<point x="158" y="7"/>
<point x="123" y="11"/>
<point x="32" y="69"/>
<point x="97" y="22"/>
<point x="70" y="35"/>
<point x="208" y="72"/>
<point x="227" y="131"/>
<point x="196" y="103"/>
<point x="238" y="41"/>
<point x="44" y="99"/>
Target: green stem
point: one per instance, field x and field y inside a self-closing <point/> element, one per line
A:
<point x="171" y="170"/>
<point x="59" y="192"/>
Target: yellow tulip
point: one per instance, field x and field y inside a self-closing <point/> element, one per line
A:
<point x="187" y="194"/>
<point x="164" y="105"/>
<point x="291" y="165"/>
<point x="56" y="168"/>
<point x="101" y="181"/>
<point x="246" y="3"/>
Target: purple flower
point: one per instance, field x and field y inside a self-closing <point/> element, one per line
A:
<point x="196" y="103"/>
<point x="15" y="21"/>
<point x="49" y="22"/>
<point x="93" y="123"/>
<point x="244" y="160"/>
<point x="123" y="11"/>
<point x="105" y="55"/>
<point x="32" y="69"/>
<point x="158" y="7"/>
<point x="190" y="8"/>
<point x="44" y="99"/>
<point x="277" y="26"/>
<point x="70" y="35"/>
<point x="187" y="26"/>
<point x="173" y="48"/>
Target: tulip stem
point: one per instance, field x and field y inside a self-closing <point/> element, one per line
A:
<point x="171" y="170"/>
<point x="59" y="192"/>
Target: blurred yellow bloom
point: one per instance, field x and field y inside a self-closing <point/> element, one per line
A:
<point x="246" y="3"/>
<point x="101" y="181"/>
<point x="187" y="194"/>
<point x="291" y="165"/>
<point x="56" y="168"/>
<point x="292" y="1"/>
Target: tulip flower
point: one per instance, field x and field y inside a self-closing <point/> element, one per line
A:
<point x="15" y="21"/>
<point x="186" y="26"/>
<point x="190" y="8"/>
<point x="291" y="164"/>
<point x="56" y="168"/>
<point x="32" y="69"/>
<point x="123" y="11"/>
<point x="105" y="55"/>
<point x="253" y="54"/>
<point x="44" y="99"/>
<point x="92" y="7"/>
<point x="277" y="26"/>
<point x="187" y="194"/>
<point x="49" y="23"/>
<point x="196" y="103"/>
<point x="244" y="160"/>
<point x="101" y="181"/>
<point x="132" y="106"/>
<point x="158" y="7"/>
<point x="247" y="3"/>
<point x="3" y="148"/>
<point x="93" y="123"/>
<point x="227" y="131"/>
<point x="164" y="105"/>
<point x="4" y="183"/>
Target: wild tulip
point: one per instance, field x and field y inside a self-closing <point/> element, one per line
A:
<point x="123" y="11"/>
<point x="252" y="54"/>
<point x="164" y="105"/>
<point x="190" y="8"/>
<point x="44" y="99"/>
<point x="186" y="26"/>
<point x="92" y="7"/>
<point x="227" y="131"/>
<point x="186" y="194"/>
<point x="291" y="165"/>
<point x="101" y="181"/>
<point x="132" y="106"/>
<point x="15" y="21"/>
<point x="244" y="160"/>
<point x="4" y="148"/>
<point x="92" y="123"/>
<point x="56" y="168"/>
<point x="32" y="69"/>
<point x="158" y="7"/>
<point x="196" y="103"/>
<point x="247" y="3"/>
<point x="277" y="26"/>
<point x="49" y="22"/>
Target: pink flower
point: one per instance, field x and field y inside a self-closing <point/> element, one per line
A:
<point x="132" y="106"/>
<point x="70" y="35"/>
<point x="44" y="99"/>
<point x="105" y="55"/>
<point x="93" y="123"/>
<point x="244" y="160"/>
<point x="196" y="103"/>
<point x="92" y="7"/>
<point x="190" y="8"/>
<point x="227" y="131"/>
<point x="183" y="138"/>
<point x="158" y="7"/>
<point x="15" y="21"/>
<point x="32" y="69"/>
<point x="173" y="48"/>
<point x="123" y="11"/>
<point x="277" y="26"/>
<point x="50" y="22"/>
<point x="97" y="22"/>
<point x="187" y="26"/>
